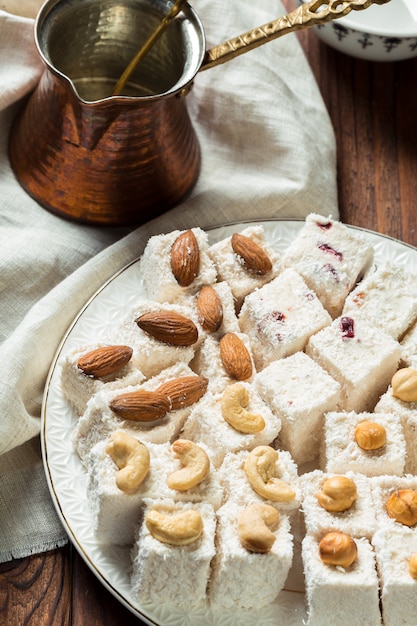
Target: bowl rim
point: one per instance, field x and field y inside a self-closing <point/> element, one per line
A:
<point x="378" y="32"/>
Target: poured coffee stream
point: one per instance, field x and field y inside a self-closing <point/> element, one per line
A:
<point x="162" y="26"/>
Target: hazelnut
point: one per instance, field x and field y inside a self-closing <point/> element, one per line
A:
<point x="404" y="384"/>
<point x="402" y="506"/>
<point x="337" y="494"/>
<point x="412" y="566"/>
<point x="337" y="548"/>
<point x="370" y="435"/>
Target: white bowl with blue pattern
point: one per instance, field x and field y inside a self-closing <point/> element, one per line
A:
<point x="380" y="33"/>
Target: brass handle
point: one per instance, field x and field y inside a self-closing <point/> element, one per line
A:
<point x="307" y="15"/>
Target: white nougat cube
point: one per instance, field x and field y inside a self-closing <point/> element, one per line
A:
<point x="359" y="356"/>
<point x="208" y="362"/>
<point x="230" y="268"/>
<point x="173" y="574"/>
<point x="156" y="271"/>
<point x="342" y="453"/>
<point x="150" y="355"/>
<point x="280" y="317"/>
<point x="387" y="298"/>
<point x="206" y="424"/>
<point x="407" y="412"/>
<point x="341" y="596"/>
<point x="78" y="387"/>
<point x="393" y="549"/>
<point x="230" y="323"/>
<point x="242" y="579"/>
<point x="239" y="490"/>
<point x="300" y="392"/>
<point x="331" y="258"/>
<point x="382" y="488"/>
<point x="359" y="520"/>
<point x="115" y="513"/>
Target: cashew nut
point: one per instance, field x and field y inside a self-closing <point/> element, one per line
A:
<point x="131" y="457"/>
<point x="255" y="526"/>
<point x="235" y="399"/>
<point x="196" y="465"/>
<point x="177" y="529"/>
<point x="260" y="468"/>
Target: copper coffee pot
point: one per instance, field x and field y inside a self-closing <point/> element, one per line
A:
<point x="94" y="157"/>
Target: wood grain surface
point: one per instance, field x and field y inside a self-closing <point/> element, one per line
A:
<point x="373" y="107"/>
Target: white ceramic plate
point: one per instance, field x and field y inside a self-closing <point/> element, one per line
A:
<point x="66" y="477"/>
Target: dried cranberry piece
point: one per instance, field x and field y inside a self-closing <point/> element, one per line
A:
<point x="347" y="327"/>
<point x="328" y="267"/>
<point x="273" y="316"/>
<point x="325" y="226"/>
<point x="277" y="316"/>
<point x="324" y="247"/>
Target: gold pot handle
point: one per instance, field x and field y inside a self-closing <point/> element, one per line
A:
<point x="309" y="14"/>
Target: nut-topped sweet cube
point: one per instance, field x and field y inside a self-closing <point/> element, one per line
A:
<point x="280" y="317"/>
<point x="160" y="335"/>
<point x="254" y="551"/>
<point x="373" y="298"/>
<point x="395" y="501"/>
<point x="117" y="477"/>
<point x="237" y="419"/>
<point x="370" y="443"/>
<point x="331" y="258"/>
<point x="175" y="542"/>
<point x="396" y="557"/>
<point x="225" y="359"/>
<point x="245" y="261"/>
<point x="338" y="502"/>
<point x="401" y="399"/>
<point x="216" y="309"/>
<point x="261" y="475"/>
<point x="176" y="265"/>
<point x="300" y="392"/>
<point x="361" y="357"/>
<point x="341" y="580"/>
<point x="87" y="369"/>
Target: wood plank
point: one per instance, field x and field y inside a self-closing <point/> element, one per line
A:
<point x="36" y="590"/>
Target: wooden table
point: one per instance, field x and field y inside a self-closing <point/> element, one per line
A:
<point x="373" y="108"/>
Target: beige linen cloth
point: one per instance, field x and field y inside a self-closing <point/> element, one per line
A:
<point x="268" y="151"/>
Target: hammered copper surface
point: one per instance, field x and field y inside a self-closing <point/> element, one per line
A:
<point x="110" y="163"/>
<point x="94" y="158"/>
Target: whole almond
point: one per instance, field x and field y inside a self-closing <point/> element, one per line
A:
<point x="185" y="258"/>
<point x="140" y="405"/>
<point x="184" y="391"/>
<point x="169" y="327"/>
<point x="254" y="258"/>
<point x="209" y="309"/>
<point x="104" y="361"/>
<point x="235" y="357"/>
